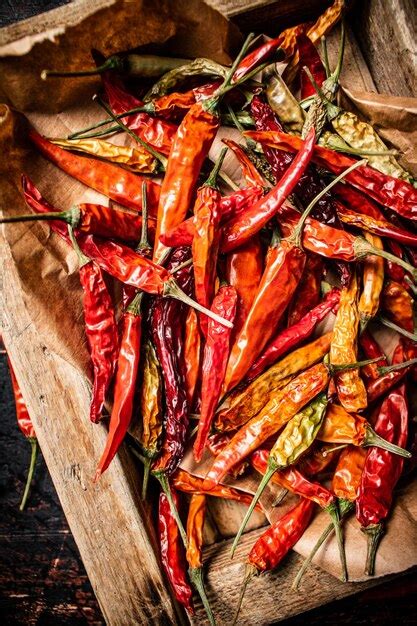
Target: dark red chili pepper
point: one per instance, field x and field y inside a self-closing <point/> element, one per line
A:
<point x="125" y="384"/>
<point x="309" y="57"/>
<point x="251" y="175"/>
<point x="294" y="335"/>
<point x="100" y="328"/>
<point x="172" y="552"/>
<point x="112" y="181"/>
<point x="371" y="350"/>
<point x="267" y="50"/>
<point x="392" y="270"/>
<point x="357" y="201"/>
<point x="308" y="292"/>
<point x="26" y="427"/>
<point x="382" y="469"/>
<point x="216" y="354"/>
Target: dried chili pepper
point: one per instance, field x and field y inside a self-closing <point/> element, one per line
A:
<point x="249" y="172"/>
<point x="308" y="293"/>
<point x="284" y="104"/>
<point x="192" y="355"/>
<point x="348" y="473"/>
<point x="339" y="426"/>
<point x="372" y="283"/>
<point x="26" y="427"/>
<point x="100" y="328"/>
<point x="172" y="552"/>
<point x="294" y="335"/>
<point x="371" y="350"/>
<point x="350" y="387"/>
<point x="197" y="67"/>
<point x="216" y="442"/>
<point x="216" y="353"/>
<point x="120" y="185"/>
<point x="275" y="414"/>
<point x="275" y="543"/>
<point x="398" y="304"/>
<point x="377" y="226"/>
<point x="188" y="483"/>
<point x="309" y="57"/>
<point x="243" y="404"/>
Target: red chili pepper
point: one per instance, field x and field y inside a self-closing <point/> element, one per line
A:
<point x="251" y="175"/>
<point x="100" y="328"/>
<point x="112" y="181"/>
<point x="382" y="469"/>
<point x="125" y="385"/>
<point x="308" y="293"/>
<point x="26" y="427"/>
<point x="216" y="353"/>
<point x="309" y="57"/>
<point x="240" y="229"/>
<point x="156" y="132"/>
<point x="357" y="201"/>
<point x="216" y="442"/>
<point x="192" y="355"/>
<point x="391" y="192"/>
<point x="372" y="350"/>
<point x="258" y="56"/>
<point x="172" y="553"/>
<point x="291" y="337"/>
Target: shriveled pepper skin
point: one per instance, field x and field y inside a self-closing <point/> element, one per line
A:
<point x="340" y="426"/>
<point x="398" y="304"/>
<point x="372" y="281"/>
<point x="350" y="387"/>
<point x="195" y="524"/>
<point x="112" y="181"/>
<point x="188" y="483"/>
<point x="309" y="57"/>
<point x="192" y="354"/>
<point x="371" y="350"/>
<point x="307" y="295"/>
<point x="172" y="553"/>
<point x="278" y="283"/>
<point x="190" y="147"/>
<point x="377" y="226"/>
<point x="348" y="473"/>
<point x="150" y="402"/>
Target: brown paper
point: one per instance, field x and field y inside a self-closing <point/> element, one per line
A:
<point x="47" y="266"/>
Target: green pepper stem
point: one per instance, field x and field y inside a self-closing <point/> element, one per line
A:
<point x="325" y="56"/>
<point x="112" y="63"/>
<point x="157" y="155"/>
<point x="387" y="369"/>
<point x="196" y="577"/>
<point x="373" y="439"/>
<point x="164" y="482"/>
<point x="250" y="572"/>
<point x="226" y="179"/>
<point x="71" y="217"/>
<point x="298" y="230"/>
<point x="212" y="179"/>
<point x="398" y="329"/>
<point x="265" y="480"/>
<point x="172" y="290"/>
<point x="334" y="514"/>
<point x="34" y="455"/>
<point x="333" y="369"/>
<point x="345" y="507"/>
<point x="374" y="533"/>
<point x="337" y="71"/>
<point x="146" y="471"/>
<point x="334" y="449"/>
<point x="147" y="108"/>
<point x="364" y="248"/>
<point x="144" y="245"/>
<point x="135" y="306"/>
<point x="82" y="258"/>
<point x="181" y="267"/>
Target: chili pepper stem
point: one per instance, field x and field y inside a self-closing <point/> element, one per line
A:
<point x="401" y="331"/>
<point x="71" y="217"/>
<point x="386" y="369"/>
<point x="298" y="230"/>
<point x="82" y="258"/>
<point x="325" y="56"/>
<point x="212" y="179"/>
<point x="337" y="70"/>
<point x="112" y="63"/>
<point x="181" y="266"/>
<point x="146" y="471"/>
<point x="196" y="577"/>
<point x="250" y="572"/>
<point x="265" y="480"/>
<point x="141" y="109"/>
<point x="373" y="439"/>
<point x="164" y="482"/>
<point x="330" y="450"/>
<point x="334" y="514"/>
<point x="374" y="534"/>
<point x="34" y="455"/>
<point x="172" y="290"/>
<point x="333" y="369"/>
<point x="144" y="246"/>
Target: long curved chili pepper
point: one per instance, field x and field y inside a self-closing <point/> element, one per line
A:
<point x="372" y="350"/>
<point x="151" y="412"/>
<point x="172" y="552"/>
<point x="192" y="355"/>
<point x="348" y="473"/>
<point x="125" y="384"/>
<point x="241" y="228"/>
<point x="26" y="428"/>
<point x="243" y="404"/>
<point x="275" y="414"/>
<point x="308" y="292"/>
<point x="188" y="483"/>
<point x="275" y="543"/>
<point x="393" y="193"/>
<point x="216" y="442"/>
<point x="216" y="353"/>
<point x="294" y="440"/>
<point x="398" y="304"/>
<point x="379" y="226"/>
<point x="294" y="335"/>
<point x="350" y="387"/>
<point x="244" y="269"/>
<point x="112" y="181"/>
<point x="381" y="472"/>
<point x="284" y="104"/>
<point x="372" y="283"/>
<point x="249" y="172"/>
<point x="100" y="328"/>
<point x="309" y="57"/>
<point x="339" y="426"/>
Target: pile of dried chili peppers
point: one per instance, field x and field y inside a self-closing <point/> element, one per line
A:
<point x="247" y="324"/>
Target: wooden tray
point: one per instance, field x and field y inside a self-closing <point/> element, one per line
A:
<point x="112" y="528"/>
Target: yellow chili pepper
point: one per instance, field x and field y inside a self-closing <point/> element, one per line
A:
<point x="283" y="103"/>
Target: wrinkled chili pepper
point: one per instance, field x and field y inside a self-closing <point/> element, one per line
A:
<point x="172" y="552"/>
<point x="371" y="350"/>
<point x="284" y="104"/>
<point x="125" y="384"/>
<point x="275" y="543"/>
<point x="398" y="304"/>
<point x="100" y="329"/>
<point x="308" y="292"/>
<point x="350" y="387"/>
<point x="216" y="353"/>
<point x="172" y="79"/>
<point x="294" y="335"/>
<point x="120" y="185"/>
<point x="372" y="283"/>
<point x="348" y="473"/>
<point x="243" y="404"/>
<point x="26" y="427"/>
<point x="249" y="172"/>
<point x="188" y="483"/>
<point x="192" y="355"/>
<point x="216" y="442"/>
<point x="275" y="414"/>
<point x="382" y="470"/>
<point x="309" y="57"/>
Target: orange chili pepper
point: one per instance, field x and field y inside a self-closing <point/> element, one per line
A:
<point x="373" y="280"/>
<point x="398" y="304"/>
<point x="308" y="292"/>
<point x="192" y="354"/>
<point x="188" y="483"/>
<point x="251" y="175"/>
<point x="348" y="473"/>
<point x="350" y="387"/>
